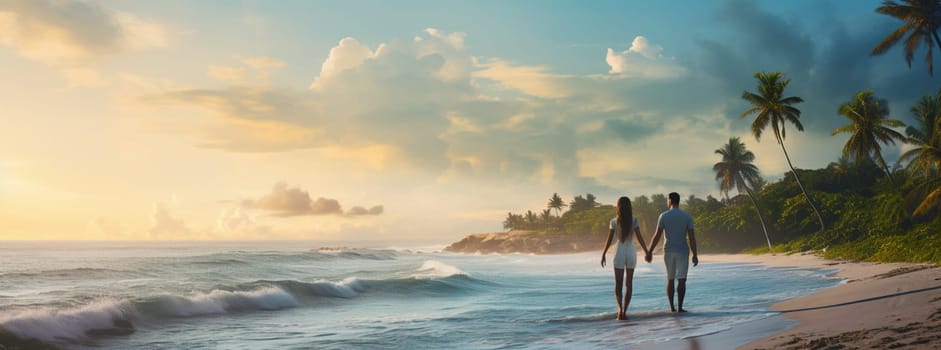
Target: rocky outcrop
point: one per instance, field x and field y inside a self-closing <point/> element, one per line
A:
<point x="523" y="242"/>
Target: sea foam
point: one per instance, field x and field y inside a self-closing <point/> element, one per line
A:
<point x="222" y="301"/>
<point x="347" y="288"/>
<point x="437" y="269"/>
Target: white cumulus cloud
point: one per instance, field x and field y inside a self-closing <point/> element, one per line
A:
<point x="643" y="60"/>
<point x="349" y="53"/>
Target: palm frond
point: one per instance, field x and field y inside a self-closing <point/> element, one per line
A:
<point x="845" y="128"/>
<point x="891" y="40"/>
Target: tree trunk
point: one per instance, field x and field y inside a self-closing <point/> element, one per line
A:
<point x="934" y="33"/>
<point x="885" y="168"/>
<point x="760" y="218"/>
<point x="799" y="184"/>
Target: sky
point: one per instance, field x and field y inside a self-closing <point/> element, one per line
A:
<point x="402" y="120"/>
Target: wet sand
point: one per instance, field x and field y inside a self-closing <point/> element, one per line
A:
<point x="879" y="306"/>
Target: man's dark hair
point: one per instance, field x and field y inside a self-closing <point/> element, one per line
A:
<point x="674" y="198"/>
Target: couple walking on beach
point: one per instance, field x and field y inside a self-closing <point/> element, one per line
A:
<point x="675" y="226"/>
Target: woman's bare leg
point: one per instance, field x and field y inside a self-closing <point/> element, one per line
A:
<point x="618" y="287"/>
<point x="628" y="291"/>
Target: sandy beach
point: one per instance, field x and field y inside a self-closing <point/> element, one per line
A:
<point x="880" y="306"/>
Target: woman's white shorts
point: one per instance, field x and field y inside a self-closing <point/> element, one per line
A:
<point x="626" y="256"/>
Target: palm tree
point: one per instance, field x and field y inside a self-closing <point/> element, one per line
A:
<point x="592" y="201"/>
<point x="511" y="222"/>
<point x="531" y="220"/>
<point x="578" y="203"/>
<point x="925" y="135"/>
<point x="737" y="171"/>
<point x="555" y="202"/>
<point x="841" y="166"/>
<point x="774" y="109"/>
<point x="925" y="156"/>
<point x="869" y="127"/>
<point x="921" y="20"/>
<point x="546" y="216"/>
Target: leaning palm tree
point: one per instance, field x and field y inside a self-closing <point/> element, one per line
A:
<point x="925" y="136"/>
<point x="921" y="21"/>
<point x="774" y="109"/>
<point x="870" y="127"/>
<point x="931" y="193"/>
<point x="737" y="171"/>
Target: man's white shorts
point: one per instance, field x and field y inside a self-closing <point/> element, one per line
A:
<point x="677" y="265"/>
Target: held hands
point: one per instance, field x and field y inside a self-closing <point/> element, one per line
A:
<point x="648" y="256"/>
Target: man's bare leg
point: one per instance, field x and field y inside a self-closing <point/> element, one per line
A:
<point x="670" y="295"/>
<point x="680" y="293"/>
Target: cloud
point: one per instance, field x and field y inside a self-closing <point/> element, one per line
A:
<point x="83" y="77"/>
<point x="348" y="54"/>
<point x="396" y="97"/>
<point x="780" y="41"/>
<point x="164" y="225"/>
<point x="450" y="47"/>
<point x="322" y="206"/>
<point x="261" y="66"/>
<point x="107" y="227"/>
<point x="428" y="105"/>
<point x="357" y="211"/>
<point x="531" y="80"/>
<point x="238" y="221"/>
<point x="286" y="201"/>
<point x="629" y="129"/>
<point x="66" y="32"/>
<point x="234" y="218"/>
<point x="226" y="73"/>
<point x="643" y="60"/>
<point x="264" y="63"/>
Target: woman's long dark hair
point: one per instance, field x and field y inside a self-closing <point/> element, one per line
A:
<point x="625" y="217"/>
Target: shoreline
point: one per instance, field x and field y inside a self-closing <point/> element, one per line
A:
<point x="878" y="305"/>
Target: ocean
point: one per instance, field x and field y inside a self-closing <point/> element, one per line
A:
<point x="330" y="295"/>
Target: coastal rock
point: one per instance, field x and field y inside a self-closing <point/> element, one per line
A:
<point x="524" y="242"/>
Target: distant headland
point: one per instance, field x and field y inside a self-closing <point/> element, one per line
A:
<point x="522" y="241"/>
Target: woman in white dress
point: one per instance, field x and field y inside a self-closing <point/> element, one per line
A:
<point x="625" y="257"/>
